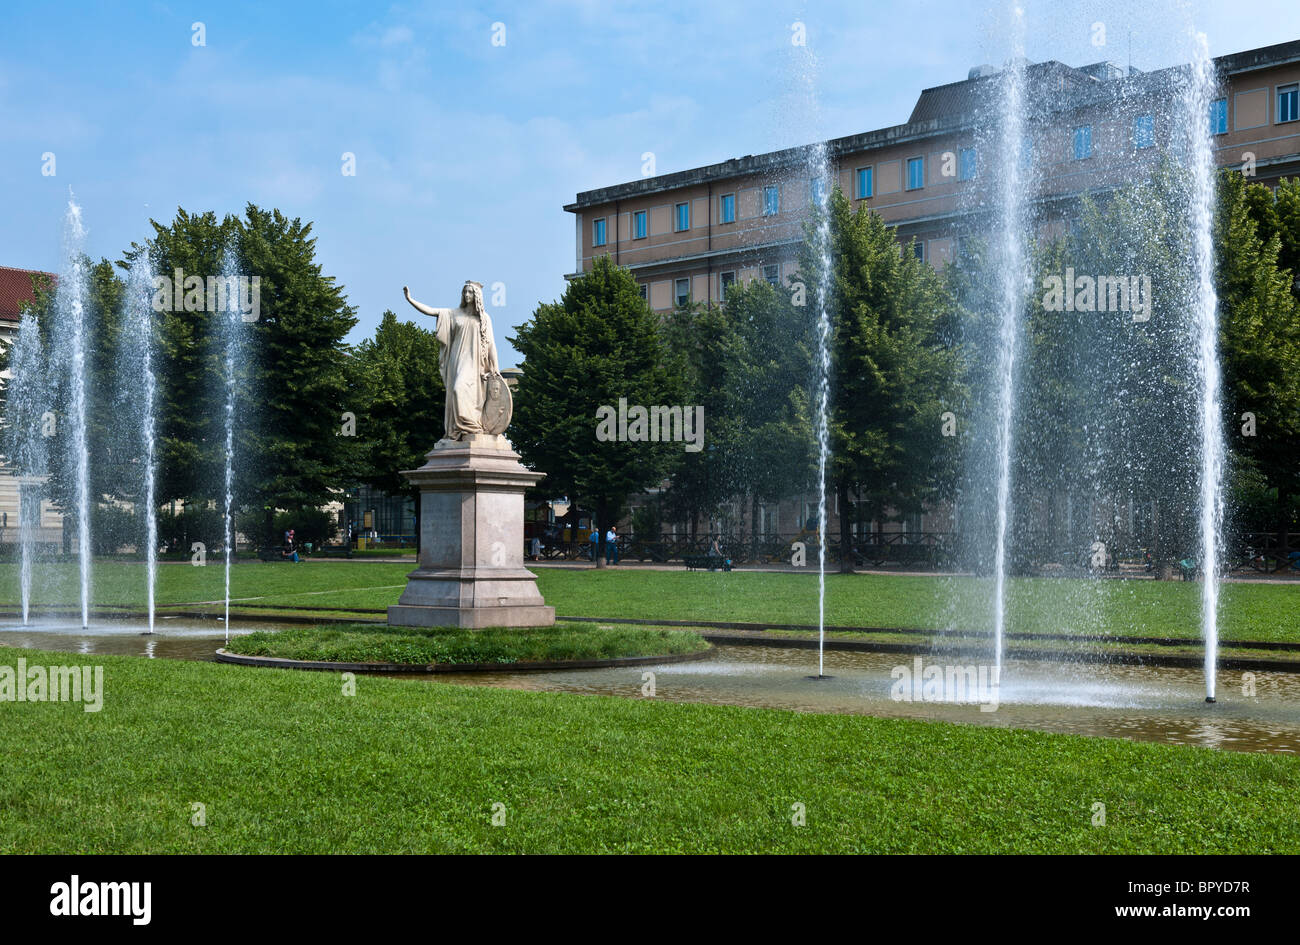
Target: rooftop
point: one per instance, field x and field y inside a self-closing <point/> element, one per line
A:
<point x="944" y="109"/>
<point x="15" y="289"/>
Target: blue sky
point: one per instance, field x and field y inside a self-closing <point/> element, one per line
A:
<point x="466" y="151"/>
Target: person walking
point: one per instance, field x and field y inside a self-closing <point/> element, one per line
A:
<point x="611" y="545"/>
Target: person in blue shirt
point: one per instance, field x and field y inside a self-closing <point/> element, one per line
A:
<point x="611" y="545"/>
<point x="595" y="542"/>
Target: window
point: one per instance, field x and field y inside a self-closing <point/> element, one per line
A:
<point x="683" y="287"/>
<point x="1144" y="131"/>
<point x="1219" y="116"/>
<point x="644" y="290"/>
<point x="1288" y="106"/>
<point x="966" y="164"/>
<point x="772" y="275"/>
<point x="771" y="201"/>
<point x="1083" y="142"/>
<point x="683" y="216"/>
<point x="866" y="185"/>
<point x="727" y="208"/>
<point x="598" y="232"/>
<point x="918" y="250"/>
<point x="725" y="281"/>
<point x="915" y="173"/>
<point x="1026" y="151"/>
<point x="639" y="226"/>
<point x="817" y="190"/>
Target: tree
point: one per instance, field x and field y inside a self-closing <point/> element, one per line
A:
<point x="1259" y="317"/>
<point x="395" y="382"/>
<point x="299" y="456"/>
<point x="598" y="344"/>
<point x="892" y="375"/>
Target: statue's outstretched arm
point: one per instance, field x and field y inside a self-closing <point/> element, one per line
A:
<point x="421" y="307"/>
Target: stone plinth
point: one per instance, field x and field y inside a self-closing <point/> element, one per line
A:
<point x="471" y="567"/>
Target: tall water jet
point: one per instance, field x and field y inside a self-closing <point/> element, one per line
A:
<point x="1011" y="259"/>
<point x="819" y="166"/>
<point x="28" y="400"/>
<point x="140" y="392"/>
<point x="230" y="320"/>
<point x="70" y="338"/>
<point x="1199" y="92"/>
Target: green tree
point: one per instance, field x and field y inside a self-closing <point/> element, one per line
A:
<point x="599" y="343"/>
<point x="396" y="385"/>
<point x="893" y="376"/>
<point x="1259" y="318"/>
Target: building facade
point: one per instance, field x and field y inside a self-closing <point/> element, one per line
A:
<point x="687" y="236"/>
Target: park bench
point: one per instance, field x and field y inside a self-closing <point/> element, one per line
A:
<point x="271" y="553"/>
<point x="712" y="562"/>
<point x="332" y="551"/>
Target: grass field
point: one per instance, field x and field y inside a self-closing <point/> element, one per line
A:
<point x="362" y="643"/>
<point x="1268" y="612"/>
<point x="285" y="762"/>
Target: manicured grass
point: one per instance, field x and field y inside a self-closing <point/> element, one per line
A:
<point x="285" y="762"/>
<point x="362" y="643"/>
<point x="1268" y="612"/>
<point x="1044" y="605"/>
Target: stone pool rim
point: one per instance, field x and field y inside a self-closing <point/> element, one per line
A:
<point x="277" y="662"/>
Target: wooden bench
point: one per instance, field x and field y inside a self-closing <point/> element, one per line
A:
<point x="272" y="553"/>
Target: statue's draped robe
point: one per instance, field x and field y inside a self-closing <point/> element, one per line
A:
<point x="467" y="352"/>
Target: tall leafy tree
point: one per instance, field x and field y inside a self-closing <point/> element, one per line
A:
<point x="893" y="373"/>
<point x="299" y="457"/>
<point x="397" y="389"/>
<point x="1257" y="236"/>
<point x="599" y="343"/>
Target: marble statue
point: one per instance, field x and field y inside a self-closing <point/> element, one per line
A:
<point x="478" y="400"/>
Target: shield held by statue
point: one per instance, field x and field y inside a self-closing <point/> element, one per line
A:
<point x="497" y="405"/>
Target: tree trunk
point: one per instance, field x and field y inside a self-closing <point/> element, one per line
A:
<point x="1283" y="518"/>
<point x="753" y="527"/>
<point x="846" y="534"/>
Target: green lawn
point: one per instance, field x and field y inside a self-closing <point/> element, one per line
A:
<point x="285" y="762"/>
<point x="449" y="645"/>
<point x="1265" y="612"/>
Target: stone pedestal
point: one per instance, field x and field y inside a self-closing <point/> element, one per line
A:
<point x="471" y="568"/>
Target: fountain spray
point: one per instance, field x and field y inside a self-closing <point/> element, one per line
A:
<point x="1012" y="280"/>
<point x="1199" y="92"/>
<point x="70" y="327"/>
<point x="138" y="347"/>
<point x="29" y="398"/>
<point x="820" y="165"/>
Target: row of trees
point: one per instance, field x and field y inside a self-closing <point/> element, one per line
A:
<point x="1104" y="408"/>
<point x="313" y="414"/>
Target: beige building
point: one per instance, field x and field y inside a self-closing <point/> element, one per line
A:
<point x="686" y="236"/>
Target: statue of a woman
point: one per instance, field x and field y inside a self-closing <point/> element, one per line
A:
<point x="467" y="359"/>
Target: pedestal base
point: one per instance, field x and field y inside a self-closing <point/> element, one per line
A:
<point x="471" y="568"/>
